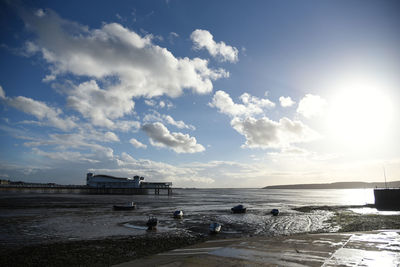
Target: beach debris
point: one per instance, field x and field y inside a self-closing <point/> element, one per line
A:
<point x="238" y="209"/>
<point x="178" y="214"/>
<point x="215" y="228"/>
<point x="152" y="223"/>
<point x="275" y="212"/>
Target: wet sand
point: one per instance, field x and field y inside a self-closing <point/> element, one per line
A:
<point x="119" y="249"/>
<point x="374" y="248"/>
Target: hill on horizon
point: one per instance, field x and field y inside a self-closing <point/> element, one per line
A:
<point x="336" y="185"/>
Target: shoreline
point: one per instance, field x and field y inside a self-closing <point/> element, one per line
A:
<point x="118" y="249"/>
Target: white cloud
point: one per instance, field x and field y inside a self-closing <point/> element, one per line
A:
<point x="130" y="64"/>
<point x="126" y="126"/>
<point x="166" y="119"/>
<point x="161" y="137"/>
<point x="40" y="13"/>
<point x="73" y="156"/>
<point x="161" y="104"/>
<point x="150" y="102"/>
<point x="136" y="143"/>
<point x="223" y="52"/>
<point x="311" y="105"/>
<point x="98" y="105"/>
<point x="49" y="115"/>
<point x="286" y="101"/>
<point x="174" y="34"/>
<point x="110" y="136"/>
<point x="251" y="105"/>
<point x="80" y="141"/>
<point x="2" y="93"/>
<point x="266" y="133"/>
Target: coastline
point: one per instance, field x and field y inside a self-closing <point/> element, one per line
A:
<point x="118" y="249"/>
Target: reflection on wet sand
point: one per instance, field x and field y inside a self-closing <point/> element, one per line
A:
<point x="377" y="248"/>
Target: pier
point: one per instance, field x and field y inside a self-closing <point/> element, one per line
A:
<point x="156" y="188"/>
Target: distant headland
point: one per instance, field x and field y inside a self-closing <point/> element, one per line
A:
<point x="338" y="185"/>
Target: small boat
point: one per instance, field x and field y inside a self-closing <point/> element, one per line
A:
<point x="152" y="223"/>
<point x="275" y="212"/>
<point x="178" y="214"/>
<point x="215" y="227"/>
<point x="128" y="206"/>
<point x="238" y="209"/>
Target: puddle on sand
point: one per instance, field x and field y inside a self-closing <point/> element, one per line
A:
<point x="281" y="259"/>
<point x="358" y="257"/>
<point x="373" y="211"/>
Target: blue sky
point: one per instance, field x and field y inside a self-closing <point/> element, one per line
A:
<point x="200" y="93"/>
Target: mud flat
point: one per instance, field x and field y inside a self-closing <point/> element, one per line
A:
<point x="118" y="249"/>
<point x="357" y="218"/>
<point x="100" y="252"/>
<point x="372" y="248"/>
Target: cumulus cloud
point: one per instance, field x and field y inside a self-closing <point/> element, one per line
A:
<point x="221" y="51"/>
<point x="98" y="105"/>
<point x="166" y="119"/>
<point x="311" y="105"/>
<point x="286" y="101"/>
<point x="266" y="133"/>
<point x="44" y="113"/>
<point x="160" y="136"/>
<point x="128" y="65"/>
<point x="251" y="105"/>
<point x="136" y="143"/>
<point x="261" y="132"/>
<point x="110" y="136"/>
<point x="143" y="68"/>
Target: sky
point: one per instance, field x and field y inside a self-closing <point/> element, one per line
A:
<point x="200" y="93"/>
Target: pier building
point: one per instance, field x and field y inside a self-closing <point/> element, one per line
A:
<point x="108" y="181"/>
<point x="95" y="184"/>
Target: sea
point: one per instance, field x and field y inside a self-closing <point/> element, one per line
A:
<point x="40" y="218"/>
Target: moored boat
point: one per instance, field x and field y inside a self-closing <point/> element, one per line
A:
<point x="178" y="214"/>
<point x="152" y="223"/>
<point x="238" y="209"/>
<point x="275" y="212"/>
<point x="215" y="227"/>
<point x="128" y="206"/>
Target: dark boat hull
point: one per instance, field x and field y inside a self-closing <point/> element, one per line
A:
<point x="124" y="207"/>
<point x="275" y="212"/>
<point x="239" y="210"/>
<point x="387" y="198"/>
<point x="152" y="224"/>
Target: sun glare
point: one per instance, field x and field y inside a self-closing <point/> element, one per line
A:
<point x="360" y="115"/>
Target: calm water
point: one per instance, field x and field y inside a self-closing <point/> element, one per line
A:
<point x="37" y="218"/>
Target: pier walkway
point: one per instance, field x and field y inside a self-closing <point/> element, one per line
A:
<point x="157" y="188"/>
